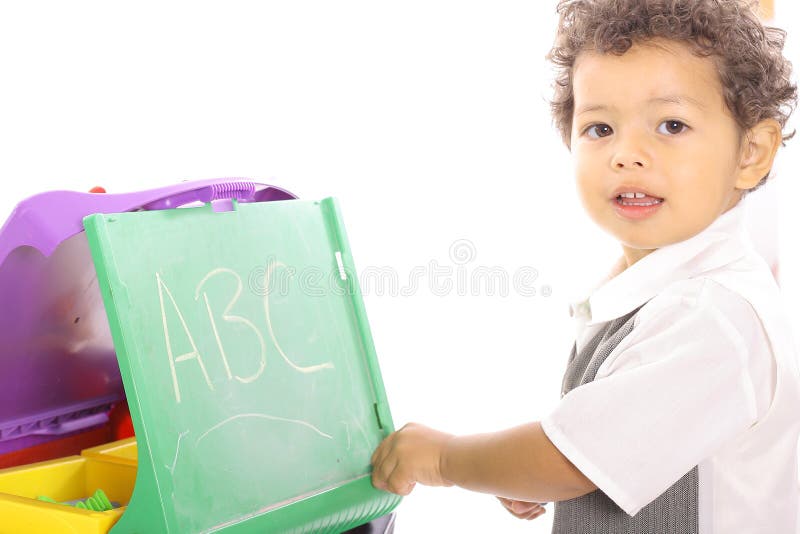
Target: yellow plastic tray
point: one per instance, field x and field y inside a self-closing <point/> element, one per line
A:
<point x="65" y="479"/>
<point x="123" y="451"/>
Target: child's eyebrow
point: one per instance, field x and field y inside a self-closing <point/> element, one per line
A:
<point x="666" y="99"/>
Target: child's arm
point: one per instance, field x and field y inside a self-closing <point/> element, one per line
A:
<point x="519" y="463"/>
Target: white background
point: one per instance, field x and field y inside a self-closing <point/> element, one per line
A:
<point x="428" y="120"/>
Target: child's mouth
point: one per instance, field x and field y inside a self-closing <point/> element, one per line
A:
<point x="637" y="207"/>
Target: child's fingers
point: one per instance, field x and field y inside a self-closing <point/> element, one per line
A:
<point x="383" y="449"/>
<point x="377" y="454"/>
<point x="399" y="482"/>
<point x="522" y="509"/>
<point x="530" y="514"/>
<point x="383" y="462"/>
<point x="534" y="514"/>
<point x="388" y="475"/>
<point x="381" y="473"/>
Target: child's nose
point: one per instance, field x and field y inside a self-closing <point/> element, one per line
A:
<point x="630" y="161"/>
<point x="629" y="154"/>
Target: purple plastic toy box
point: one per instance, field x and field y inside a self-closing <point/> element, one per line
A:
<point x="60" y="374"/>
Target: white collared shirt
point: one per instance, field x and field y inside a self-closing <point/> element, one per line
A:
<point x="708" y="377"/>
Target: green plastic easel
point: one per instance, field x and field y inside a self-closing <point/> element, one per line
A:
<point x="248" y="365"/>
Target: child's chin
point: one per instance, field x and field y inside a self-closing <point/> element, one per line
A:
<point x="638" y="242"/>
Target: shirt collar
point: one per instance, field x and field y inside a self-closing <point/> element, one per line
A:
<point x="722" y="242"/>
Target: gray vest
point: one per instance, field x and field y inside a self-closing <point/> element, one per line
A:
<point x="672" y="512"/>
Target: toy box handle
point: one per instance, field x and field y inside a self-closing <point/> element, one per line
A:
<point x="238" y="190"/>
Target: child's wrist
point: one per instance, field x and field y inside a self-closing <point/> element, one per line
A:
<point x="446" y="463"/>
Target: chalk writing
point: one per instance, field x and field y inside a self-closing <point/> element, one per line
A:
<point x="229" y="317"/>
<point x="226" y="315"/>
<point x="267" y="281"/>
<point x="264" y="416"/>
<point x="194" y="354"/>
<point x="177" y="449"/>
<point x="347" y="429"/>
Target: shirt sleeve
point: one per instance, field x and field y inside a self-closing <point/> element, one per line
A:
<point x="679" y="388"/>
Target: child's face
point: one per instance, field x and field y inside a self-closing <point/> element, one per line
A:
<point x="685" y="152"/>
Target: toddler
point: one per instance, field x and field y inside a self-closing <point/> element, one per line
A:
<point x="680" y="408"/>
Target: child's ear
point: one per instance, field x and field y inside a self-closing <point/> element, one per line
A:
<point x="759" y="146"/>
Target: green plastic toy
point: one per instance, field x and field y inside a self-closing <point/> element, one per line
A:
<point x="248" y="365"/>
<point x="98" y="502"/>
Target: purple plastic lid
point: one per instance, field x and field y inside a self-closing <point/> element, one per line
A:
<point x="59" y="368"/>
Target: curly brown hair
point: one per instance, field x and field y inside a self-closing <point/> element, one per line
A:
<point x="755" y="77"/>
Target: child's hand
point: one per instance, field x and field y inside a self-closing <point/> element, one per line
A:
<point x="523" y="509"/>
<point x="410" y="455"/>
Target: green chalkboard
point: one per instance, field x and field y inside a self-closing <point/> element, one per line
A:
<point x="248" y="366"/>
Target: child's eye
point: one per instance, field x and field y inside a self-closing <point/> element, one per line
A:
<point x="673" y="127"/>
<point x="599" y="130"/>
